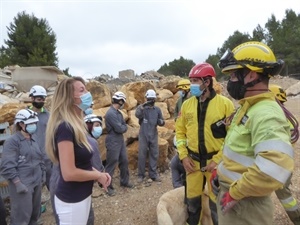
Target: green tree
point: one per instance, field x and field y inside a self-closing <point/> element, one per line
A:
<point x="180" y="67"/>
<point x="66" y="72"/>
<point x="285" y="40"/>
<point x="31" y="42"/>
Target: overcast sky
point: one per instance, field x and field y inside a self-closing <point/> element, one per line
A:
<point x="105" y="37"/>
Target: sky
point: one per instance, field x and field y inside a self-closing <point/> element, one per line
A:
<point x="97" y="37"/>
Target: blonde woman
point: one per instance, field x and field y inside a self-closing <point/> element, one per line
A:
<point x="67" y="144"/>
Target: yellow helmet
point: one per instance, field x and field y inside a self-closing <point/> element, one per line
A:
<point x="253" y="55"/>
<point x="278" y="91"/>
<point x="184" y="84"/>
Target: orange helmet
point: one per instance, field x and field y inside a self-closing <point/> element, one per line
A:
<point x="202" y="70"/>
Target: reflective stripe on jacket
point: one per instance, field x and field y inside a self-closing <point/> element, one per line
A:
<point x="257" y="154"/>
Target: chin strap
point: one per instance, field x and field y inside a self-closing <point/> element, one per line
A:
<point x="266" y="90"/>
<point x="252" y="83"/>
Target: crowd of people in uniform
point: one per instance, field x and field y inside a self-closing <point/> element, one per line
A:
<point x="240" y="155"/>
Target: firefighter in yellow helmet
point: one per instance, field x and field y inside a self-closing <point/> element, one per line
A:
<point x="183" y="87"/>
<point x="200" y="132"/>
<point x="257" y="154"/>
<point x="284" y="195"/>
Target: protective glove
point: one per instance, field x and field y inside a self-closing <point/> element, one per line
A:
<point x="227" y="202"/>
<point x="161" y="121"/>
<point x="214" y="181"/>
<point x="21" y="188"/>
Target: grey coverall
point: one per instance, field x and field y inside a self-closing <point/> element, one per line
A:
<point x="97" y="164"/>
<point x="41" y="139"/>
<point x="23" y="159"/>
<point x="115" y="145"/>
<point x="149" y="117"/>
<point x="178" y="172"/>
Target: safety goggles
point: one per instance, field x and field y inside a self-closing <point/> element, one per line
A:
<point x="227" y="59"/>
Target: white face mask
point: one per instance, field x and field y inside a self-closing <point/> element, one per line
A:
<point x="181" y="93"/>
<point x="31" y="128"/>
<point x="96" y="132"/>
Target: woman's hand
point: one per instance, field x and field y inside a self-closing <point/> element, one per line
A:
<point x="104" y="179"/>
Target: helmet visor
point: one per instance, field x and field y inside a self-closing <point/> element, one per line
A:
<point x="227" y="59"/>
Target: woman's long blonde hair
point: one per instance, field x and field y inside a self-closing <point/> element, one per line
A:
<point x="62" y="110"/>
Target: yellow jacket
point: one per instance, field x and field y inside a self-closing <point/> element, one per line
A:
<point x="257" y="154"/>
<point x="207" y="128"/>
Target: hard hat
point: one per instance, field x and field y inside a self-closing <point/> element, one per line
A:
<point x="184" y="84"/>
<point x="91" y="118"/>
<point x="253" y="55"/>
<point x="202" y="70"/>
<point x="278" y="91"/>
<point x="26" y="116"/>
<point x="150" y="94"/>
<point x="37" y="90"/>
<point x="119" y="96"/>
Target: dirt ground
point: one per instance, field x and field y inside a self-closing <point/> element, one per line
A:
<point x="137" y="206"/>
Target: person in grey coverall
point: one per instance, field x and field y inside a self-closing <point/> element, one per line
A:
<point x="149" y="117"/>
<point x="23" y="166"/>
<point x="114" y="142"/>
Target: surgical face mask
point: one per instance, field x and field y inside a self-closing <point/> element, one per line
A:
<point x="196" y="90"/>
<point x="96" y="132"/>
<point x="88" y="111"/>
<point x="31" y="128"/>
<point x="38" y="105"/>
<point x="181" y="93"/>
<point x="86" y="101"/>
<point x="236" y="89"/>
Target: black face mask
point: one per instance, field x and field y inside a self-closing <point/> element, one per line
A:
<point x="236" y="89"/>
<point x="151" y="102"/>
<point x="38" y="105"/>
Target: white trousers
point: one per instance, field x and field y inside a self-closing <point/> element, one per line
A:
<point x="73" y="213"/>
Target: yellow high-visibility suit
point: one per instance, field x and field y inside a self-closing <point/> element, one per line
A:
<point x="257" y="160"/>
<point x="200" y="132"/>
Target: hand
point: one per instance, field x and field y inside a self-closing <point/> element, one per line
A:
<point x="227" y="202"/>
<point x="160" y="122"/>
<point x="21" y="188"/>
<point x="188" y="165"/>
<point x="211" y="166"/>
<point x="215" y="182"/>
<point x="104" y="180"/>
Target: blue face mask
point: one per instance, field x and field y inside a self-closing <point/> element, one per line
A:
<point x="96" y="132"/>
<point x="86" y="101"/>
<point x="31" y="128"/>
<point x="196" y="90"/>
<point x="181" y="93"/>
<point x="88" y="111"/>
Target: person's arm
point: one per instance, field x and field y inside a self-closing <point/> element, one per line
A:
<point x="117" y="125"/>
<point x="67" y="164"/>
<point x="139" y="112"/>
<point x="9" y="159"/>
<point x="160" y="121"/>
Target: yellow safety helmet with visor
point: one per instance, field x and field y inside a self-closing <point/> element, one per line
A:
<point x="255" y="56"/>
